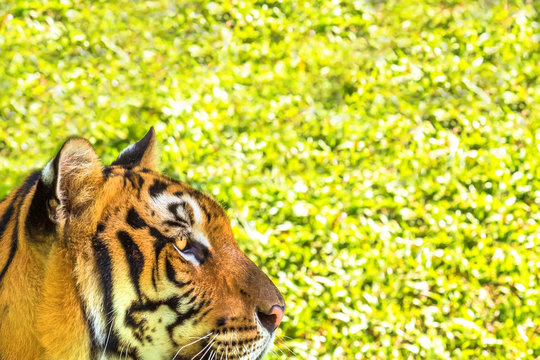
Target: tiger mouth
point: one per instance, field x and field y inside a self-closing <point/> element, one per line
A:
<point x="233" y="350"/>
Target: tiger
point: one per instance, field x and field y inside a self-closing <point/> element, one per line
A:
<point x="121" y="261"/>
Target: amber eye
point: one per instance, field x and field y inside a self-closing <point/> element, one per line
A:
<point x="181" y="243"/>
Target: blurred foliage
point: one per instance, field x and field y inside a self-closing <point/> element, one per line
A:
<point x="380" y="160"/>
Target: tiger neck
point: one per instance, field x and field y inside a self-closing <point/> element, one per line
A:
<point x="61" y="323"/>
<point x="39" y="306"/>
<point x="23" y="260"/>
<point x="20" y="278"/>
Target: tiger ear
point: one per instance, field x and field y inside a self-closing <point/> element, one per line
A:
<point x="73" y="178"/>
<point x="141" y="153"/>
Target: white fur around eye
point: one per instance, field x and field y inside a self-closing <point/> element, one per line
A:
<point x="189" y="257"/>
<point x="200" y="238"/>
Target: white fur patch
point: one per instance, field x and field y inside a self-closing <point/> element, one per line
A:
<point x="200" y="238"/>
<point x="93" y="298"/>
<point x="161" y="204"/>
<point x="47" y="174"/>
<point x="96" y="318"/>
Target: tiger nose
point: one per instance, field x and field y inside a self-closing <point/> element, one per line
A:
<point x="270" y="320"/>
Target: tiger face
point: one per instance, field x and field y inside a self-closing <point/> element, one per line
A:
<point x="184" y="288"/>
<point x="155" y="264"/>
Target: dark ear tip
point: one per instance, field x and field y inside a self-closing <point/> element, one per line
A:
<point x="140" y="152"/>
<point x="150" y="135"/>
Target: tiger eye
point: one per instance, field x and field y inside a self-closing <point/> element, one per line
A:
<point x="181" y="242"/>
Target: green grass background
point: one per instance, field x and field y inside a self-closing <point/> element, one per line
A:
<point x="380" y="160"/>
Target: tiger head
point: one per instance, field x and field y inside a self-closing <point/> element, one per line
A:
<point x="156" y="265"/>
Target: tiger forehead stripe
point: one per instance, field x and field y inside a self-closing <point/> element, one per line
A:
<point x="197" y="213"/>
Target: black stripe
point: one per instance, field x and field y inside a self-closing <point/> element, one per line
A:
<point x="159" y="244"/>
<point x="13" y="249"/>
<point x="6" y="216"/>
<point x="107" y="171"/>
<point x="134" y="258"/>
<point x="20" y="195"/>
<point x="28" y="184"/>
<point x="171" y="275"/>
<point x="188" y="293"/>
<point x="38" y="222"/>
<point x="134" y="220"/>
<point x="103" y="260"/>
<point x="151" y="305"/>
<point x="138" y="329"/>
<point x="135" y="179"/>
<point x="140" y="183"/>
<point x="205" y="304"/>
<point x="154" y="275"/>
<point x="100" y="228"/>
<point x="206" y="212"/>
<point x="173" y="209"/>
<point x="189" y="211"/>
<point x="201" y="317"/>
<point x="161" y="241"/>
<point x="178" y="224"/>
<point x="183" y="317"/>
<point x="94" y="344"/>
<point x="157" y="188"/>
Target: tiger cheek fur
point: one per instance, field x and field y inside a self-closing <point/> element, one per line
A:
<point x="123" y="262"/>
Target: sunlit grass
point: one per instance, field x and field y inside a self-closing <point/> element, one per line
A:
<point x="378" y="160"/>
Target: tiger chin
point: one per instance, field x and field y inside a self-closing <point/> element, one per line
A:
<point x="122" y="262"/>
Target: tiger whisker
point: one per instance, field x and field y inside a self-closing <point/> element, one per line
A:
<point x="217" y="351"/>
<point x="281" y="342"/>
<point x="247" y="350"/>
<point x="209" y="344"/>
<point x="183" y="347"/>
<point x="251" y="348"/>
<point x="108" y="337"/>
<point x="122" y="351"/>
<point x="275" y="354"/>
